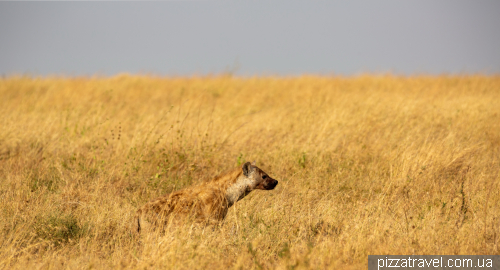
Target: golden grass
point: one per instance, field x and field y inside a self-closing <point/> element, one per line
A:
<point x="367" y="165"/>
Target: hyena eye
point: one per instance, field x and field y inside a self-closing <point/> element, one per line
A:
<point x="264" y="176"/>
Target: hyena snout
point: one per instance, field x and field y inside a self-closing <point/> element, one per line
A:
<point x="270" y="183"/>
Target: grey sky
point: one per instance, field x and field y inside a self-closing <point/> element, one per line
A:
<point x="251" y="37"/>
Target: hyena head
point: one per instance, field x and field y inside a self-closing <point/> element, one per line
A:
<point x="258" y="178"/>
<point x="251" y="178"/>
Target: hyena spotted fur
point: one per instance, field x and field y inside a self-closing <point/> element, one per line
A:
<point x="207" y="202"/>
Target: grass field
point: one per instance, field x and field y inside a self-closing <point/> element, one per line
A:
<point x="366" y="165"/>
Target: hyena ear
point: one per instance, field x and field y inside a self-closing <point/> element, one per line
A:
<point x="247" y="169"/>
<point x="254" y="163"/>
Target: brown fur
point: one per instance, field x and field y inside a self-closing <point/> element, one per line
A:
<point x="206" y="203"/>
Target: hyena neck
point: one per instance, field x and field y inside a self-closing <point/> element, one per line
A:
<point x="238" y="190"/>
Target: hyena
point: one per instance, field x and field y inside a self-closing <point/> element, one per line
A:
<point x="207" y="202"/>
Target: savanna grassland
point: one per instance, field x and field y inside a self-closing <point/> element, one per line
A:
<point x="366" y="165"/>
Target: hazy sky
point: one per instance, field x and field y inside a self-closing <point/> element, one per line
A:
<point x="250" y="37"/>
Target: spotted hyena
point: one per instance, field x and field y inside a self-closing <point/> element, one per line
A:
<point x="207" y="202"/>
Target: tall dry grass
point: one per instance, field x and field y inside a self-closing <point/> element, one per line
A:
<point x="367" y="165"/>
